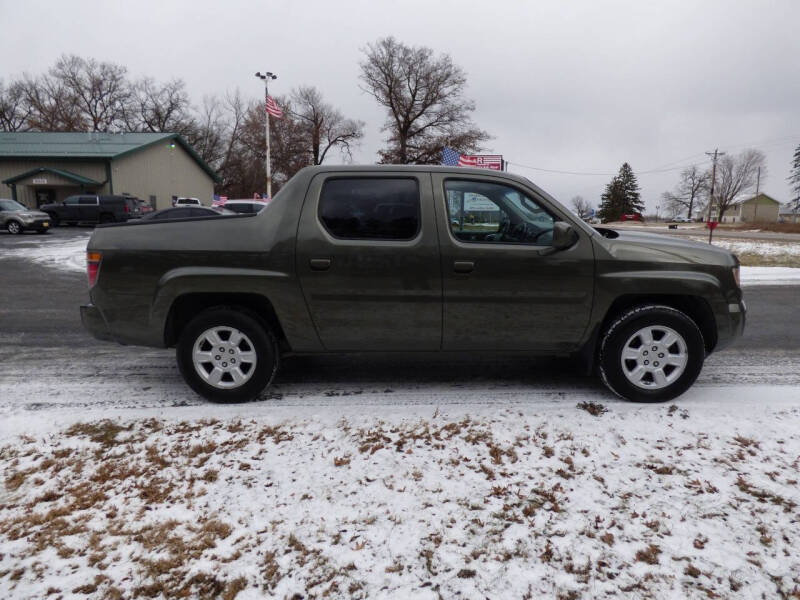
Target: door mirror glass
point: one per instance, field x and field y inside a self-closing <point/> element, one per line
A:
<point x="564" y="235"/>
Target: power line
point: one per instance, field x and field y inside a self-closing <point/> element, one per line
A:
<point x="663" y="168"/>
<point x="647" y="172"/>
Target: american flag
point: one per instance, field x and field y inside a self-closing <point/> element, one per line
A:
<point x="452" y="158"/>
<point x="273" y="108"/>
<point x="219" y="200"/>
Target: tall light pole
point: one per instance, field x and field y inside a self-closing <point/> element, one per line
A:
<point x="265" y="77"/>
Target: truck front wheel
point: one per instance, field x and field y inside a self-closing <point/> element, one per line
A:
<point x="651" y="354"/>
<point x="227" y="355"/>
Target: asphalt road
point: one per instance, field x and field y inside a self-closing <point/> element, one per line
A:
<point x="46" y="357"/>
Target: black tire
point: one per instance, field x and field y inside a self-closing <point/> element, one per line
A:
<point x="14" y="227"/>
<point x="42" y="231"/>
<point x="107" y="218"/>
<point x="627" y="325"/>
<point x="54" y="220"/>
<point x="263" y="342"/>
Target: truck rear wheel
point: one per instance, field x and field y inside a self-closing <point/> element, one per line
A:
<point x="651" y="354"/>
<point x="227" y="355"/>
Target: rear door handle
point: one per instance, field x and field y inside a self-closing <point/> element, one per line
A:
<point x="463" y="266"/>
<point x="320" y="264"/>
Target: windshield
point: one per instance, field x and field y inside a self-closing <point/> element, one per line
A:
<point x="11" y="206"/>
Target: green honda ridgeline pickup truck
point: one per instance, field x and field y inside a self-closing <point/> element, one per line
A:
<point x="411" y="259"/>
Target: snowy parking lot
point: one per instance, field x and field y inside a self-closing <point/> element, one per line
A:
<point x="386" y="477"/>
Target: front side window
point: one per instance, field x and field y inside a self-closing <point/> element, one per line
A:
<point x="480" y="211"/>
<point x="370" y="208"/>
<point x="72" y="201"/>
<point x="88" y="200"/>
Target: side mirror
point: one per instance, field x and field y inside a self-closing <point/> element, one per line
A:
<point x="564" y="235"/>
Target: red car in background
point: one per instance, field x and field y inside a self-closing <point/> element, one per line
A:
<point x="144" y="207"/>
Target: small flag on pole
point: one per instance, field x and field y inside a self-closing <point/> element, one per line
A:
<point x="452" y="158"/>
<point x="273" y="108"/>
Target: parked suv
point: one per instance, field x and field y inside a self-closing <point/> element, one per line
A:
<point x="16" y="218"/>
<point x="92" y="209"/>
<point x="412" y="259"/>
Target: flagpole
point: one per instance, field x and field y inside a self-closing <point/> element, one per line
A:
<point x="266" y="127"/>
<point x="266" y="77"/>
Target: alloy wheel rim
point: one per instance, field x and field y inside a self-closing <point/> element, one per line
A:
<point x="13" y="227"/>
<point x="654" y="357"/>
<point x="224" y="357"/>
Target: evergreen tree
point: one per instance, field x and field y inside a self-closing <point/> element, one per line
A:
<point x="621" y="196"/>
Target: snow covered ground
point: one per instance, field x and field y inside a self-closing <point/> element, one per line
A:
<point x="70" y="254"/>
<point x="550" y="498"/>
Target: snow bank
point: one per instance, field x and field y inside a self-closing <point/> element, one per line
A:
<point x="770" y="276"/>
<point x="693" y="500"/>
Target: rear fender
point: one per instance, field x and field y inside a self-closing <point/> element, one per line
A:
<point x="280" y="290"/>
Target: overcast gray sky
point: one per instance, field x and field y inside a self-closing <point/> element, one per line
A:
<point x="570" y="86"/>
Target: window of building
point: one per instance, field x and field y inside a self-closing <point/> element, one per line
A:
<point x="371" y="208"/>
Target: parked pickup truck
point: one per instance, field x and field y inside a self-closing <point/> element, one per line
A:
<point x="411" y="259"/>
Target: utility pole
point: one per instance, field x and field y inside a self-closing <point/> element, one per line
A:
<point x="265" y="78"/>
<point x="711" y="195"/>
<point x="755" y="208"/>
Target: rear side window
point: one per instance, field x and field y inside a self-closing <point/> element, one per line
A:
<point x="370" y="208"/>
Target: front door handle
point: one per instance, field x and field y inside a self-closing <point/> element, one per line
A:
<point x="320" y="264"/>
<point x="463" y="266"/>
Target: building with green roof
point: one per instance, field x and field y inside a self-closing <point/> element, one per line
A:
<point x="38" y="168"/>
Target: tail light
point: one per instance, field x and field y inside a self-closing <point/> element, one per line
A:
<point x="127" y="209"/>
<point x="93" y="266"/>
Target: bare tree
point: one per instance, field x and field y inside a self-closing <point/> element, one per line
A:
<point x="326" y="128"/>
<point x="235" y="112"/>
<point x="581" y="207"/>
<point x="692" y="184"/>
<point x="736" y="175"/>
<point x="14" y="109"/>
<point x="673" y="204"/>
<point x="424" y="98"/>
<point x="160" y="107"/>
<point x="209" y="138"/>
<point x="101" y="90"/>
<point x="52" y="106"/>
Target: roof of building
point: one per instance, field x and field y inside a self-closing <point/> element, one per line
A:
<point x="69" y="175"/>
<point x="89" y="145"/>
<point x="751" y="198"/>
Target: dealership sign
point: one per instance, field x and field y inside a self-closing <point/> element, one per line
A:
<point x="482" y="161"/>
<point x="478" y="202"/>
